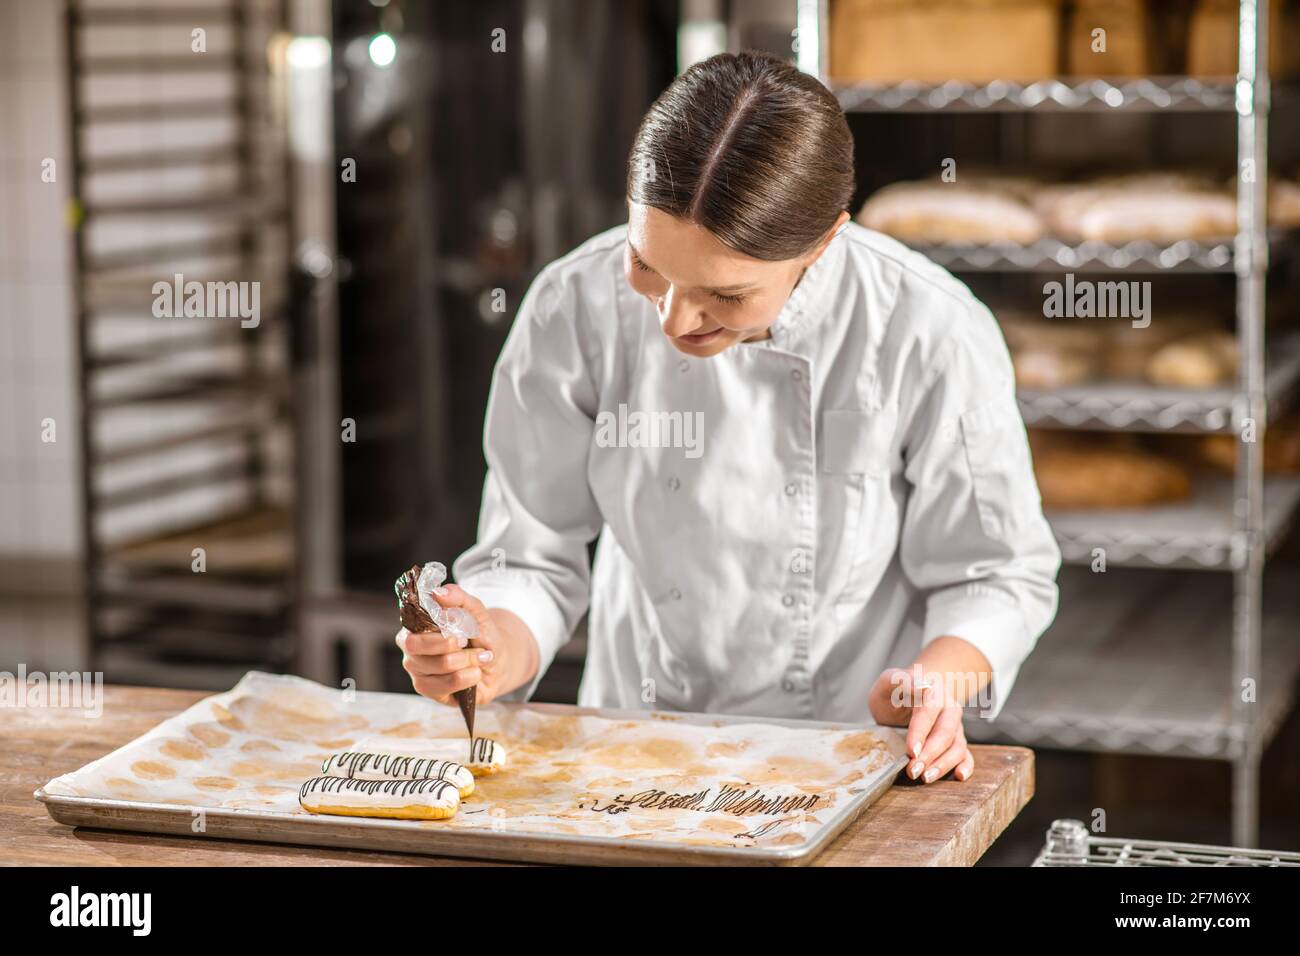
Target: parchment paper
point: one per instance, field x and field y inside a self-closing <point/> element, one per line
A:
<point x="660" y="777"/>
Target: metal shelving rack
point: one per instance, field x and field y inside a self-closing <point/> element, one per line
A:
<point x="1233" y="524"/>
<point x="184" y="421"/>
<point x="1070" y="844"/>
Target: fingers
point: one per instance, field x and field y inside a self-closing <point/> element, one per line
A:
<point x="447" y="667"/>
<point x="965" y="766"/>
<point x="927" y="705"/>
<point x="426" y="642"/>
<point x="946" y="761"/>
<point x="930" y="733"/>
<point x="453" y="595"/>
<point x="440" y="687"/>
<point x="944" y="750"/>
<point x="431" y="665"/>
<point x="946" y="730"/>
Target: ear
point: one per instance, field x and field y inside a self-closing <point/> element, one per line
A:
<point x="813" y="256"/>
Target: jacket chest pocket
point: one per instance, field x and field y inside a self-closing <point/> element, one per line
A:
<point x="857" y="463"/>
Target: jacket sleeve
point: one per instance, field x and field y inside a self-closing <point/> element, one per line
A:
<point x="974" y="537"/>
<point x="538" y="514"/>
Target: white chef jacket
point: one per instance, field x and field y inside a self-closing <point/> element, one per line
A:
<point x="861" y="485"/>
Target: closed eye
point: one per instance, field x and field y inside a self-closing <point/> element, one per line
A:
<point x="724" y="299"/>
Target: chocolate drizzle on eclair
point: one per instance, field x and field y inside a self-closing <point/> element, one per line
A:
<point x="354" y="764"/>
<point x="483" y="750"/>
<point x="433" y="789"/>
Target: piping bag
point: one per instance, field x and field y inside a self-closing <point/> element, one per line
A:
<point x="420" y="611"/>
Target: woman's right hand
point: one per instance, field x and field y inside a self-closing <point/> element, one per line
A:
<point x="440" y="665"/>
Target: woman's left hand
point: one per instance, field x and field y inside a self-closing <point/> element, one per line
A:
<point x="936" y="740"/>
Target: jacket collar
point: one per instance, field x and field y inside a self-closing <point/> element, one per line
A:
<point x="810" y="298"/>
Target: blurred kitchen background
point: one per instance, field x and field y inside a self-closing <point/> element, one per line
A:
<point x="185" y="499"/>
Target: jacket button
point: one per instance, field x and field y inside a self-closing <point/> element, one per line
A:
<point x="788" y="600"/>
<point x="796" y="374"/>
<point x="787" y="685"/>
<point x="677" y="594"/>
<point x="791" y="489"/>
<point x="683" y="365"/>
<point x="674" y="484"/>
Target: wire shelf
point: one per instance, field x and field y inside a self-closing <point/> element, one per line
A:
<point x="1053" y="255"/>
<point x="1156" y="94"/>
<point x="1159" y="536"/>
<point x="1070" y="844"/>
<point x="1133" y="406"/>
<point x="1140" y="662"/>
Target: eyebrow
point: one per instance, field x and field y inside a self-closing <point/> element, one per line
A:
<point x="721" y="290"/>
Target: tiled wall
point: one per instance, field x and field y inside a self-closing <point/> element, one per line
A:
<point x="39" y="522"/>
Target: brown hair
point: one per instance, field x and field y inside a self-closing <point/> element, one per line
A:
<point x="749" y="147"/>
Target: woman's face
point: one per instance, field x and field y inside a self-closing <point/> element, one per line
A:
<point x="708" y="297"/>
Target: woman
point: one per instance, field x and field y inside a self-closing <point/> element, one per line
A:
<point x="797" y="441"/>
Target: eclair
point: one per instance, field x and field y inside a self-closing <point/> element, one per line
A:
<point x="486" y="757"/>
<point x="357" y="765"/>
<point x="397" y="799"/>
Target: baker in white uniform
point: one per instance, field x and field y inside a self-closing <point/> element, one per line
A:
<point x="796" y="441"/>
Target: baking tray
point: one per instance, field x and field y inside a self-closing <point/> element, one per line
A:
<point x="494" y="841"/>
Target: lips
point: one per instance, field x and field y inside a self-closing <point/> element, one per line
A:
<point x="700" y="338"/>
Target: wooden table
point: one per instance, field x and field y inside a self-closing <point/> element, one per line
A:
<point x="943" y="824"/>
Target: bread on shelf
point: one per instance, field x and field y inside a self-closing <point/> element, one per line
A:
<point x="1281" y="448"/>
<point x="1158" y="207"/>
<point x="1104" y="471"/>
<point x="975" y="41"/>
<point x="935" y="211"/>
<point x="1049" y="353"/>
<point x="1212" y="39"/>
<point x="1163" y="207"/>
<point x="1197" y="361"/>
<point x="1179" y="350"/>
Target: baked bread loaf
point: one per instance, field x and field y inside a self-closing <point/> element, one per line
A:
<point x="1283" y="203"/>
<point x="1052" y="354"/>
<point x="1212" y="38"/>
<point x="1158" y="215"/>
<point x="1199" y="361"/>
<point x="1083" y="474"/>
<point x="934" y="211"/>
<point x="1129" y="350"/>
<point x="1281" y="448"/>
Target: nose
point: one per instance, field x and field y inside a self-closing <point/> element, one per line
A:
<point x="675" y="315"/>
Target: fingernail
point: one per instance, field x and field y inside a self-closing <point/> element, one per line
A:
<point x="932" y="775"/>
<point x="462" y="641"/>
<point x="914" y="771"/>
<point x="440" y="591"/>
<point x="401" y="639"/>
<point x="484" y="656"/>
